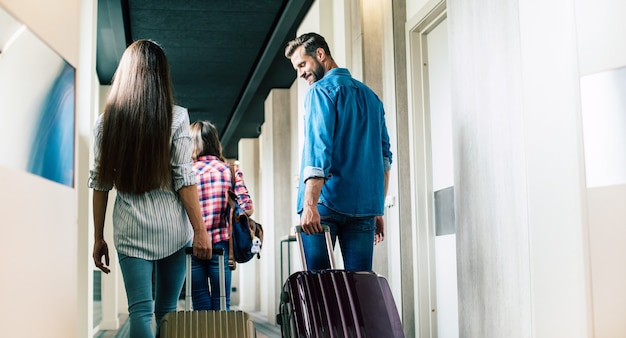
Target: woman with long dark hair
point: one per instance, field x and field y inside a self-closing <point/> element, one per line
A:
<point x="143" y="150"/>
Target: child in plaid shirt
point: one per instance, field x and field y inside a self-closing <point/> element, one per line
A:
<point x="213" y="180"/>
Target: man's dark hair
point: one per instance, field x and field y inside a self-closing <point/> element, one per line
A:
<point x="310" y="41"/>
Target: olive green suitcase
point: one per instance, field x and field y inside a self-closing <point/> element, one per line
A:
<point x="206" y="324"/>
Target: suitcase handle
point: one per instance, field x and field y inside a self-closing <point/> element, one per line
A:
<point x="329" y="245"/>
<point x="216" y="251"/>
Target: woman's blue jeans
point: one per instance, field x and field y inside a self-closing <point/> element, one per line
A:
<point x="356" y="239"/>
<point x="169" y="275"/>
<point x="205" y="283"/>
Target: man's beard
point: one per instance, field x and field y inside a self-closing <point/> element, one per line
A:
<point x="317" y="72"/>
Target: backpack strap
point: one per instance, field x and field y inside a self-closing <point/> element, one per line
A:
<point x="232" y="264"/>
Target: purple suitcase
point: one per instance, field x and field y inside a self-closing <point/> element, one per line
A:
<point x="337" y="303"/>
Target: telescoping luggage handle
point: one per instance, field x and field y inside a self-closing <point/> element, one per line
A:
<point x="216" y="251"/>
<point x="329" y="245"/>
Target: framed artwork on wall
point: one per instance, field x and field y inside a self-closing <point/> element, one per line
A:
<point x="37" y="110"/>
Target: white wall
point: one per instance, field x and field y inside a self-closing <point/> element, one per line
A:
<point x="414" y="6"/>
<point x="44" y="292"/>
<point x="519" y="176"/>
<point x="600" y="30"/>
<point x="37" y="256"/>
<point x="607" y="217"/>
<point x="582" y="225"/>
<point x="55" y="22"/>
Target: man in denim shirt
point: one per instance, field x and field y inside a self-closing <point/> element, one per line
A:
<point x="345" y="160"/>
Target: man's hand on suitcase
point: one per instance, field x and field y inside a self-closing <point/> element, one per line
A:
<point x="379" y="235"/>
<point x="310" y="217"/>
<point x="100" y="248"/>
<point x="310" y="220"/>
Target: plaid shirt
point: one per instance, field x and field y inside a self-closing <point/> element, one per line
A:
<point x="214" y="180"/>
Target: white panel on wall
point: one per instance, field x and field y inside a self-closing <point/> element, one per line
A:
<point x="607" y="217"/>
<point x="600" y="28"/>
<point x="440" y="107"/>
<point x="445" y="269"/>
<point x="603" y="102"/>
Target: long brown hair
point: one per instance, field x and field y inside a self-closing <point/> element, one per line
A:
<point x="205" y="139"/>
<point x="135" y="148"/>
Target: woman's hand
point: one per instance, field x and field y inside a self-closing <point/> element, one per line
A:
<point x="202" y="245"/>
<point x="100" y="248"/>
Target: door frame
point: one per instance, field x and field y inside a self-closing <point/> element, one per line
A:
<point x="432" y="14"/>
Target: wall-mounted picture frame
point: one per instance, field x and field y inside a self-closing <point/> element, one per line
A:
<point x="37" y="105"/>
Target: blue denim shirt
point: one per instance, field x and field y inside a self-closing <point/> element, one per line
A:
<point x="345" y="142"/>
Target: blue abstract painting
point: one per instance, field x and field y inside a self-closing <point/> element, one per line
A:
<point x="52" y="152"/>
<point x="37" y="115"/>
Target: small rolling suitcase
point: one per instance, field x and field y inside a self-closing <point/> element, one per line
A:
<point x="206" y="324"/>
<point x="337" y="303"/>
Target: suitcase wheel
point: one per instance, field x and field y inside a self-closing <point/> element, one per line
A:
<point x="284" y="297"/>
<point x="279" y="319"/>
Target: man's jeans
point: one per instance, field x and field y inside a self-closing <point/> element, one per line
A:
<point x="356" y="239"/>
<point x="168" y="279"/>
<point x="202" y="270"/>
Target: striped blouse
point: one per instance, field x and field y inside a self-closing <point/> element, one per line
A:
<point x="153" y="225"/>
<point x="214" y="180"/>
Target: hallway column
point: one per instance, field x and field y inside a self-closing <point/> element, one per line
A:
<point x="85" y="115"/>
<point x="276" y="195"/>
<point x="245" y="278"/>
<point x="518" y="169"/>
<point x="112" y="291"/>
<point x="382" y="55"/>
<point x="395" y="97"/>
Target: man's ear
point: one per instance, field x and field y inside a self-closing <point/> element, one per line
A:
<point x="320" y="54"/>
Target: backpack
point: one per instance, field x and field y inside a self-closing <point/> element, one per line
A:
<point x="246" y="235"/>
